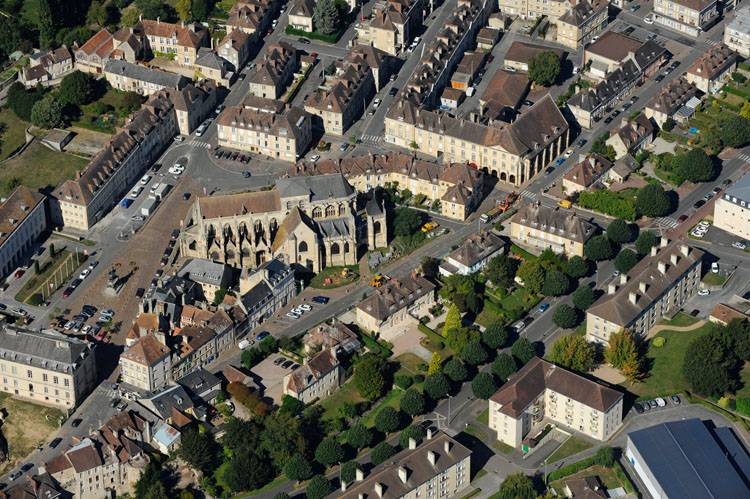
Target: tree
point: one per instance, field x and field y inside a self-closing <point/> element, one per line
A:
<point x="523" y="350"/>
<point x="483" y="386"/>
<point x="130" y="16"/>
<point x="96" y="14"/>
<point x="646" y="240"/>
<point x="455" y="370"/>
<point x="458" y="338"/>
<point x="544" y="68"/>
<point x="46" y="23"/>
<point x="436" y="386"/>
<point x="622" y="354"/>
<point x="47" y="113"/>
<point x="474" y="353"/>
<point x="326" y="17"/>
<point x="565" y="316"/>
<point x="739" y="332"/>
<point x="298" y="468"/>
<point x="10" y="37"/>
<point x="430" y="267"/>
<point x="368" y="376"/>
<point x="381" y="453"/>
<point x="250" y="358"/>
<point x="532" y="275"/>
<point x="282" y="438"/>
<point x="599" y="248"/>
<point x="517" y="486"/>
<point x="495" y="336"/>
<point x="452" y="319"/>
<point x="21" y="101"/>
<point x="201" y="10"/>
<point x="503" y="366"/>
<point x="501" y="270"/>
<point x="184" y="9"/>
<point x="318" y="487"/>
<point x="150" y="477"/>
<point x="349" y="471"/>
<point x="696" y="166"/>
<point x="709" y="365"/>
<point x="620" y="231"/>
<point x="653" y="201"/>
<point x="359" y="436"/>
<point x="329" y="452"/>
<point x="198" y="449"/>
<point x="669" y="124"/>
<point x="574" y="352"/>
<point x="131" y="102"/>
<point x="406" y="221"/>
<point x="388" y="420"/>
<point x="556" y="283"/>
<point x="413" y="403"/>
<point x="436" y="363"/>
<point x="734" y="130"/>
<point x="583" y="298"/>
<point x="416" y="432"/>
<point x="77" y="88"/>
<point x="626" y="260"/>
<point x="577" y="267"/>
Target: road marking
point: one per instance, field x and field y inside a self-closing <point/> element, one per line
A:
<point x="198" y="143"/>
<point x="744" y="157"/>
<point x="667" y="222"/>
<point x="374" y="139"/>
<point x="528" y="194"/>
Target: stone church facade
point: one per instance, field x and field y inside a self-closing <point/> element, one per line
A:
<point x="309" y="221"/>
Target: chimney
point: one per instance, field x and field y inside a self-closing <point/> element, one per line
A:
<point x="343" y="486"/>
<point x="664" y="242"/>
<point x="642" y="286"/>
<point x="379" y="489"/>
<point x="447" y="446"/>
<point x="412" y="444"/>
<point x="611" y="288"/>
<point x="403" y="474"/>
<point x="662" y="267"/>
<point x="674" y="259"/>
<point x="359" y="475"/>
<point x="632" y="298"/>
<point x="158" y="20"/>
<point x="623" y="278"/>
<point x="429" y="433"/>
<point x="654" y="250"/>
<point x="431" y="457"/>
<point x="685" y="250"/>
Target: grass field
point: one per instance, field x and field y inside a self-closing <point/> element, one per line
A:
<point x="681" y="320"/>
<point x="13" y="135"/>
<point x="26" y="426"/>
<point x="95" y="118"/>
<point x="336" y="277"/>
<point x="665" y="374"/>
<point x="346" y="394"/>
<point x="573" y="445"/>
<point x="745" y="380"/>
<point x="607" y="476"/>
<point x="714" y="279"/>
<point x="39" y="168"/>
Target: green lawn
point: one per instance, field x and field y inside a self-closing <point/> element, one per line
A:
<point x="607" y="476"/>
<point x="520" y="252"/>
<point x="12" y="136"/>
<point x="346" y="394"/>
<point x="336" y="276"/>
<point x="484" y="417"/>
<point x="745" y="380"/>
<point x="93" y="117"/>
<point x="409" y="363"/>
<point x="665" y="375"/>
<point x="519" y="300"/>
<point x="39" y="168"/>
<point x="681" y="320"/>
<point x="392" y="399"/>
<point x="501" y="447"/>
<point x="713" y="279"/>
<point x="572" y="446"/>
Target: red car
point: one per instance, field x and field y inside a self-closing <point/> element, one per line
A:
<point x="314" y="55"/>
<point x="682" y="218"/>
<point x="19" y="273"/>
<point x="68" y="291"/>
<point x="490" y="58"/>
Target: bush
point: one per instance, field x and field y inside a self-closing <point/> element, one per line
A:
<point x="603" y="457"/>
<point x="653" y="201"/>
<point x="403" y="381"/>
<point x="608" y="202"/>
<point x="658" y="341"/>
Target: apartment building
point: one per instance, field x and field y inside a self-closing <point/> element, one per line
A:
<point x="677" y="100"/>
<point x="316" y="379"/>
<point x="46" y="68"/>
<point x="301" y="15"/>
<point x="392" y="26"/>
<point x="690" y="17"/>
<point x="23" y="218"/>
<point x="542" y="392"/>
<point x="275" y="72"/>
<point x="235" y="48"/>
<point x="473" y="254"/>
<point x="539" y="227"/>
<point x="251" y="16"/>
<point x="610" y="52"/>
<point x="178" y="41"/>
<point x="393" y="307"/>
<point x="146" y="365"/>
<point x="581" y="23"/>
<point x="127" y="44"/>
<point x="285" y="136"/>
<point x="46" y="367"/>
<point x="438" y="467"/>
<point x="344" y="95"/>
<point x="264" y="291"/>
<point x="81" y="202"/>
<point x="632" y="136"/>
<point x="337" y="336"/>
<point x="210" y="276"/>
<point x="209" y="65"/>
<point x="192" y="104"/>
<point x="583" y="175"/>
<point x="513" y="152"/>
<point x="438" y="183"/>
<point x="737" y="32"/>
<point x="732" y="209"/>
<point x="713" y="69"/>
<point x="658" y="286"/>
<point x="130" y="77"/>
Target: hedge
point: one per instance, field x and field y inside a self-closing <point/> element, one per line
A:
<point x="376" y="346"/>
<point x="580" y="465"/>
<point x="315" y="35"/>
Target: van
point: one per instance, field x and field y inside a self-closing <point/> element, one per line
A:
<point x="470" y="91"/>
<point x="243" y="344"/>
<point x="565" y="203"/>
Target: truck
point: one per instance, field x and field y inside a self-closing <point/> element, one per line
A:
<point x="503" y="204"/>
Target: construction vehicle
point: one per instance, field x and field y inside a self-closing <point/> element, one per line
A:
<point x="430" y="226"/>
<point x="503" y="204"/>
<point x="377" y="280"/>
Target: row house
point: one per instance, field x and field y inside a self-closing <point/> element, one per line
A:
<point x="690" y="17"/>
<point x="392" y="26"/>
<point x="676" y="101"/>
<point x="275" y="72"/>
<point x="632" y="136"/>
<point x="127" y="44"/>
<point x="23" y="219"/>
<point x="713" y="69"/>
<point x="143" y="80"/>
<point x="540" y="227"/>
<point x="252" y="17"/>
<point x="46" y="67"/>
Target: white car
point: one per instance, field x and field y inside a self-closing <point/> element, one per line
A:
<point x="739" y="245"/>
<point x="519" y="326"/>
<point x="145" y="179"/>
<point x="201" y="130"/>
<point x="715" y="267"/>
<point x="176" y="170"/>
<point x="298" y="311"/>
<point x="136" y="191"/>
<point x="292" y="315"/>
<point x="84" y="273"/>
<point x="661" y="402"/>
<point x="305" y="307"/>
<point x="568" y="153"/>
<point x="243" y="344"/>
<point x="648" y="19"/>
<point x="703" y="292"/>
<point x="154" y="187"/>
<point x="179" y="138"/>
<point x="314" y="158"/>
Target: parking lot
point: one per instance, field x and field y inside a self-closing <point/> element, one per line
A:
<point x="657" y="404"/>
<point x="271" y="372"/>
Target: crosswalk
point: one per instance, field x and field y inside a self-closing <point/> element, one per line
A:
<point x="372" y="139"/>
<point x="107" y="391"/>
<point x="527" y="194"/>
<point x="667" y="222"/>
<point x="711" y="43"/>
<point x="744" y="157"/>
<point x="198" y="143"/>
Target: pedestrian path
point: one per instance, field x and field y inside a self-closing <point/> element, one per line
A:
<point x="711" y="43"/>
<point x="199" y="143"/>
<point x="372" y="139"/>
<point x="744" y="157"/>
<point x="107" y="391"/>
<point x="667" y="222"/>
<point x="528" y="194"/>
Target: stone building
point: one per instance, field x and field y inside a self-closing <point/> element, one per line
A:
<point x="540" y="227"/>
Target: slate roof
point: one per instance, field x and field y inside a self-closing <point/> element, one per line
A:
<point x="634" y="131"/>
<point x="15" y="209"/>
<point x="142" y="73"/>
<point x="673" y="96"/>
<point x="687" y="461"/>
<point x="588" y="171"/>
<point x="317" y="188"/>
<point x="33" y="487"/>
<point x="162" y="403"/>
<point x="47" y="348"/>
<point x="476" y="248"/>
<point x="285" y="124"/>
<point x="523" y="387"/>
<point x="191" y="35"/>
<point x="591" y="99"/>
<point x="740" y="189"/>
<point x="207" y="58"/>
<point x="714" y="62"/>
<point x="277" y="58"/>
<point x="582" y="12"/>
<point x="563" y="223"/>
<point x="205" y="272"/>
<point x="316" y="368"/>
<point x="147" y="351"/>
<point x="395" y="295"/>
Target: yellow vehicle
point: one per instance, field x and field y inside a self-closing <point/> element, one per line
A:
<point x="377" y="280"/>
<point x="565" y="203"/>
<point x="430" y="226"/>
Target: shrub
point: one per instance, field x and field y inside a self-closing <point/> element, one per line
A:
<point x="658" y="342"/>
<point x="403" y="381"/>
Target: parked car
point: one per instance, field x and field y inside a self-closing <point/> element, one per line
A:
<point x="292" y="315"/>
<point x="303" y="40"/>
<point x="543" y="308"/>
<point x="393" y="91"/>
<point x="676" y="400"/>
<point x="314" y="158"/>
<point x="76" y="422"/>
<point x="682" y="218"/>
<point x="638" y="408"/>
<point x="287" y="364"/>
<point x="699" y="203"/>
<point x="739" y="245"/>
<point x="261" y="335"/>
<point x="716" y="190"/>
<point x="68" y="291"/>
<point x="55" y="442"/>
<point x="715" y="267"/>
<point x="321" y="299"/>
